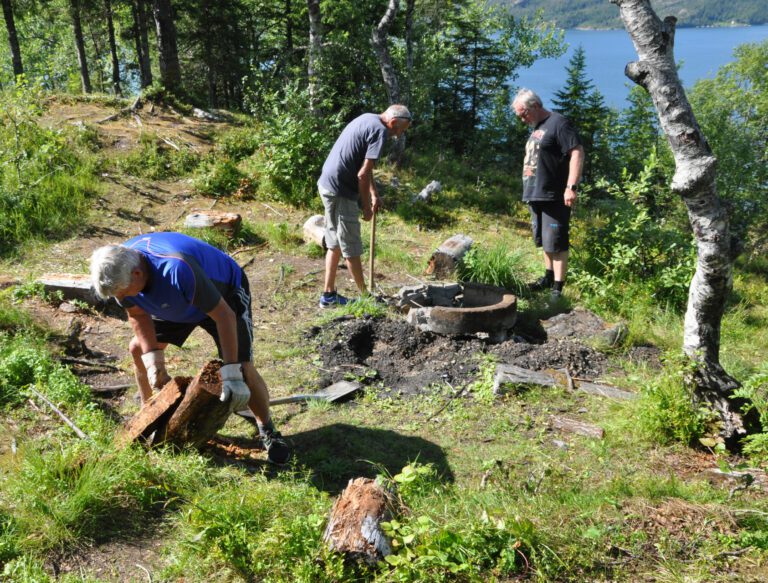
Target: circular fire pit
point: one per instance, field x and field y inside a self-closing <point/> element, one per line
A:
<point x="459" y="309"/>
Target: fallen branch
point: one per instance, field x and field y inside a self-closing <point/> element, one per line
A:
<point x="126" y="110"/>
<point x="170" y="143"/>
<point x="277" y="212"/>
<point x="64" y="418"/>
<point x="67" y="360"/>
<point x="451" y="397"/>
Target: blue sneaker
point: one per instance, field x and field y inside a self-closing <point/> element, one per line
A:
<point x="332" y="300"/>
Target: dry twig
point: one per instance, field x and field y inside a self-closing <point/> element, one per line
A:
<point x="64" y="418"/>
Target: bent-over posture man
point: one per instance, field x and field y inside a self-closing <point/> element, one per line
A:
<point x="346" y="186"/>
<point x="554" y="158"/>
<point x="169" y="284"/>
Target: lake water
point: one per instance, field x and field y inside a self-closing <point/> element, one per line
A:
<point x="701" y="51"/>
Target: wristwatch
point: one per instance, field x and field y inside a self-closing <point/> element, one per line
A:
<point x="573" y="187"/>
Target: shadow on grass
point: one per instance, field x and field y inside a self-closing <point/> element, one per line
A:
<point x="339" y="452"/>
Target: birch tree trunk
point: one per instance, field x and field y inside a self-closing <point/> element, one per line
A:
<point x="315" y="51"/>
<point x="409" y="9"/>
<point x="13" y="39"/>
<point x="388" y="73"/>
<point x="694" y="181"/>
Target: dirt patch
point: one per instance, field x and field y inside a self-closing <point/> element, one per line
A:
<point x="397" y="357"/>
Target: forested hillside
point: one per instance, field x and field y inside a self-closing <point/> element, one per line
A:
<point x="603" y="14"/>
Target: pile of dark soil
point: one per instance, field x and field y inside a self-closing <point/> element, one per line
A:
<point x="397" y="357"/>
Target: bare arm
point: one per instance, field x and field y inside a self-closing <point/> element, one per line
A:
<point x="575" y="165"/>
<point x="369" y="197"/>
<point x="226" y="325"/>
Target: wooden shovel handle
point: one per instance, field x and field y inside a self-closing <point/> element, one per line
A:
<point x="372" y="252"/>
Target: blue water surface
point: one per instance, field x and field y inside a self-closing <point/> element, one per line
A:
<point x="700" y="51"/>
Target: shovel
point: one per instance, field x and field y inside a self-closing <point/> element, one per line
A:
<point x="372" y="251"/>
<point x="330" y="394"/>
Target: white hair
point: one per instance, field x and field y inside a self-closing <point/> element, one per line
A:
<point x="528" y="98"/>
<point x="398" y="111"/>
<point x="111" y="268"/>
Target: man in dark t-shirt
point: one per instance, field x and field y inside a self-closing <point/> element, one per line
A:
<point x="169" y="284"/>
<point x="554" y="158"/>
<point x="346" y="186"/>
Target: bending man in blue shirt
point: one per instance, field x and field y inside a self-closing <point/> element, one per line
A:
<point x="169" y="284"/>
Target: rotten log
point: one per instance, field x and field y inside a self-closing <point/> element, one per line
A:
<point x="605" y="391"/>
<point x="206" y="218"/>
<point x="354" y="527"/>
<point x="448" y="255"/>
<point x="314" y="230"/>
<point x="578" y="427"/>
<point x="200" y="414"/>
<point x="77" y="286"/>
<point x="153" y="414"/>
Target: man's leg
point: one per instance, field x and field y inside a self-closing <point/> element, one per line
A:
<point x="331" y="264"/>
<point x="355" y="265"/>
<point x="278" y="451"/>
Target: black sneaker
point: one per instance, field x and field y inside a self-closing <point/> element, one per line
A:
<point x="555" y="294"/>
<point x="542" y="283"/>
<point x="278" y="450"/>
<point x="332" y="300"/>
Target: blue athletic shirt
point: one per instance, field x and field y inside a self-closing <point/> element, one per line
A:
<point x="187" y="277"/>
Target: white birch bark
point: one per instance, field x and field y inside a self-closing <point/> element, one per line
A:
<point x="694" y="181"/>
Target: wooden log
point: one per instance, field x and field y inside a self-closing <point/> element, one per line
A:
<point x="314" y="230"/>
<point x="578" y="427"/>
<point x="200" y="414"/>
<point x="77" y="286"/>
<point x="206" y="218"/>
<point x="445" y="260"/>
<point x="154" y="413"/>
<point x="509" y="375"/>
<point x="354" y="527"/>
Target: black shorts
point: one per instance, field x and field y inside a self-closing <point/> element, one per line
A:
<point x="550" y="224"/>
<point x="239" y="300"/>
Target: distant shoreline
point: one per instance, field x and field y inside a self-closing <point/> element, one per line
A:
<point x="678" y="26"/>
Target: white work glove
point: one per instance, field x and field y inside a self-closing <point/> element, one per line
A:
<point x="154" y="362"/>
<point x="233" y="387"/>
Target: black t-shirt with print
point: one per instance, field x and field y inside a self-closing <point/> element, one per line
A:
<point x="545" y="169"/>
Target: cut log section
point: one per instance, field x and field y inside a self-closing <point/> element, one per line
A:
<point x="354" y="527"/>
<point x="201" y="219"/>
<point x="445" y="260"/>
<point x="509" y="376"/>
<point x="185" y="412"/>
<point x="314" y="230"/>
<point x="77" y="286"/>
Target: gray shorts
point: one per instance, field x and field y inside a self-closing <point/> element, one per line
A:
<point x="342" y="224"/>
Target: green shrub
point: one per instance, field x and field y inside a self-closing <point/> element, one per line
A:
<point x="217" y="177"/>
<point x="155" y="159"/>
<point x="295" y="145"/>
<point x="755" y="391"/>
<point x="496" y="265"/>
<point x="44" y="182"/>
<point x="666" y="409"/>
<point x="239" y="143"/>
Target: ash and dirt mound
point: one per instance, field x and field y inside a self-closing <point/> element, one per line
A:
<point x="398" y="357"/>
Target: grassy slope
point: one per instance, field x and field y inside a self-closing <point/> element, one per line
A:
<point x="510" y="495"/>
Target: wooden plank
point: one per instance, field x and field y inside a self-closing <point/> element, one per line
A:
<point x="605" y="391"/>
<point x="509" y="375"/>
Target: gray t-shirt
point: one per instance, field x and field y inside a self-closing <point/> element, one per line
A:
<point x="362" y="139"/>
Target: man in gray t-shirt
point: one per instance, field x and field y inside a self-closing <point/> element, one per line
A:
<point x="346" y="186"/>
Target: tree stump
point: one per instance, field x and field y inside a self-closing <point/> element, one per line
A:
<point x="185" y="412"/>
<point x="354" y="527"/>
<point x="445" y="260"/>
